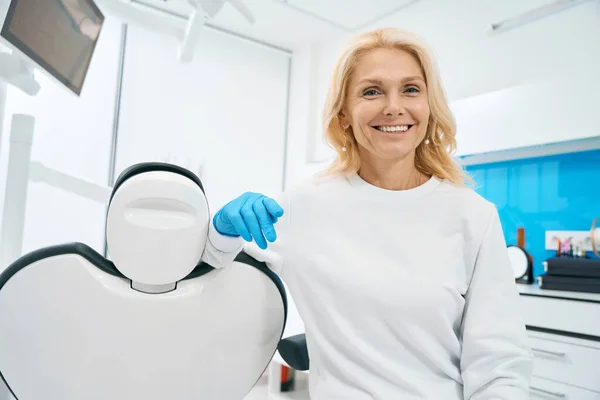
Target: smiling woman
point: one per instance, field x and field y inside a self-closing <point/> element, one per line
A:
<point x="387" y="81"/>
<point x="400" y="273"/>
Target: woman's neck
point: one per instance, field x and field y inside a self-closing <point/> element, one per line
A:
<point x="392" y="175"/>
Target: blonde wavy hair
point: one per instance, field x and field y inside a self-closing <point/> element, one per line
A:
<point x="434" y="158"/>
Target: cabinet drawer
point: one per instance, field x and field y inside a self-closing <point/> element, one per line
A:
<point x="548" y="390"/>
<point x="572" y="363"/>
<point x="561" y="315"/>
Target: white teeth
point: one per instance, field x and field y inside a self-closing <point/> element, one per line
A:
<point x="397" y="128"/>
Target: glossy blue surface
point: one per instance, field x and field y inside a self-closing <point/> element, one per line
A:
<point x="559" y="192"/>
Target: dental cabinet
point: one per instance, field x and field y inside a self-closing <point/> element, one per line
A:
<point x="564" y="333"/>
<point x="514" y="122"/>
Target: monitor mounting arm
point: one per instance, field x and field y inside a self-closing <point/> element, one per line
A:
<point x="186" y="30"/>
<point x="18" y="73"/>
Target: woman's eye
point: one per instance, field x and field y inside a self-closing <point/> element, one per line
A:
<point x="412" y="89"/>
<point x="370" y="92"/>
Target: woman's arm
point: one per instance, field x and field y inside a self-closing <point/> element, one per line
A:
<point x="221" y="250"/>
<point x="496" y="360"/>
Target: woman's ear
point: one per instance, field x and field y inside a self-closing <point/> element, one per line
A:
<point x="343" y="120"/>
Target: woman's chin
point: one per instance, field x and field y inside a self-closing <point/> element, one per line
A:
<point x="394" y="152"/>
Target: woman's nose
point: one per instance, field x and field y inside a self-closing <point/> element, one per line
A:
<point x="394" y="106"/>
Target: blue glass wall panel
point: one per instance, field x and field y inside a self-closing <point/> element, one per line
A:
<point x="560" y="192"/>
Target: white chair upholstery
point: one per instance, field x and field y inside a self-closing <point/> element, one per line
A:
<point x="75" y="325"/>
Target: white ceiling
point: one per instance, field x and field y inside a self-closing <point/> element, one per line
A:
<point x="288" y="23"/>
<point x="350" y="15"/>
<point x="291" y="23"/>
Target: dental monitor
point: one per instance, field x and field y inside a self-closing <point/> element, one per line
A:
<point x="58" y="37"/>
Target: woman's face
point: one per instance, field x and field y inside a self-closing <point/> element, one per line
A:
<point x="387" y="104"/>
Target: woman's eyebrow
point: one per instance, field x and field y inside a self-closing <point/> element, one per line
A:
<point x="374" y="81"/>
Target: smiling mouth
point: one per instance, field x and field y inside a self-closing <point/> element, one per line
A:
<point x="393" y="129"/>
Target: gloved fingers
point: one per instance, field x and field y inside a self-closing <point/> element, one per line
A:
<point x="265" y="219"/>
<point x="273" y="207"/>
<point x="234" y="217"/>
<point x="232" y="214"/>
<point x="251" y="220"/>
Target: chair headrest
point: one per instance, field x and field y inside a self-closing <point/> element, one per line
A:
<point x="157" y="223"/>
<point x="141" y="168"/>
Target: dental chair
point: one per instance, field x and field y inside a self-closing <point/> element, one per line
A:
<point x="151" y="323"/>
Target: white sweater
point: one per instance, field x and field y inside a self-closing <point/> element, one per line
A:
<point x="403" y="294"/>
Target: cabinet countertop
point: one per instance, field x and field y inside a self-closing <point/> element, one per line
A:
<point x="535" y="290"/>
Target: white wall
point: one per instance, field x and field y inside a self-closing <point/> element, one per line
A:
<point x="473" y="62"/>
<point x="72" y="135"/>
<point x="558" y="48"/>
<point x="302" y="122"/>
<point x="225" y="110"/>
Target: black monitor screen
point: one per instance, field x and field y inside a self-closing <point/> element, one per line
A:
<point x="60" y="35"/>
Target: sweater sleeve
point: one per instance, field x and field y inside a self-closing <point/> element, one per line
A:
<point x="496" y="360"/>
<point x="221" y="250"/>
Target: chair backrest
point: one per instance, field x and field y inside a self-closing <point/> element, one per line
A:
<point x="72" y="327"/>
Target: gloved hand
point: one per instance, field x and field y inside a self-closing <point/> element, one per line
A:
<point x="252" y="215"/>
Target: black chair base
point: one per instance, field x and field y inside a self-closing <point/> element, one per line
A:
<point x="294" y="352"/>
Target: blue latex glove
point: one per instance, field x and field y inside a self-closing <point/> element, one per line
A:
<point x="251" y="216"/>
